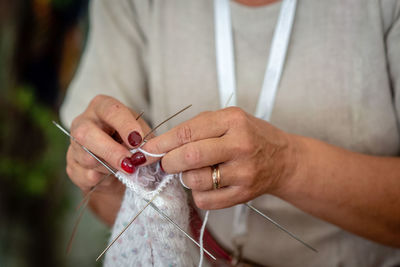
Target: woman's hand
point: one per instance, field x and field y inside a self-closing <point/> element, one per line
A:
<point x="254" y="157"/>
<point x="108" y="129"/>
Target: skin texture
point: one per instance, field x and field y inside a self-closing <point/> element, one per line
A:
<point x="359" y="193"/>
<point x="104" y="117"/>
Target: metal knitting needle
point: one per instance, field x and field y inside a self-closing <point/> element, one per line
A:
<point x="75" y="228"/>
<point x="268" y="218"/>
<point x="84" y="148"/>
<point x="103" y="179"/>
<point x="85" y="200"/>
<point x="180" y="229"/>
<point x="140" y="115"/>
<point x="280" y="226"/>
<point x="126" y="227"/>
<point x="167" y="119"/>
<point x="88" y="194"/>
<point x="114" y="173"/>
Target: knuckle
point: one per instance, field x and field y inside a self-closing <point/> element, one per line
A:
<point x="194" y="180"/>
<point x="98" y="99"/>
<point x="237" y="114"/>
<point x="80" y="133"/>
<point x="236" y="117"/>
<point x="247" y="173"/>
<point x="184" y="134"/>
<point x="204" y="113"/>
<point x="108" y="114"/>
<point x="158" y="147"/>
<point x="92" y="177"/>
<point x="247" y="145"/>
<point x="113" y="109"/>
<point x="192" y="156"/>
<point x="88" y="161"/>
<point x="201" y="203"/>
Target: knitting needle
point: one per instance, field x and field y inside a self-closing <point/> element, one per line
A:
<point x="140" y="115"/>
<point x="180" y="229"/>
<point x="280" y="226"/>
<point x="104" y="178"/>
<point x="126" y="227"/>
<point x="75" y="228"/>
<point x="164" y="121"/>
<point x="114" y="173"/>
<point x="88" y="194"/>
<point x="85" y="200"/>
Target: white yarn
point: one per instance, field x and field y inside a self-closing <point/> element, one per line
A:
<point x="146" y="181"/>
<point x="181" y="180"/>
<point x="147" y="153"/>
<point x="151" y="240"/>
<point x="203" y="228"/>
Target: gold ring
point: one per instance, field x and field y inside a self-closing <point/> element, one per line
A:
<point x="216" y="176"/>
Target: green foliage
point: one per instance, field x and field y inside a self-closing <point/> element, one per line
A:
<point x="34" y="172"/>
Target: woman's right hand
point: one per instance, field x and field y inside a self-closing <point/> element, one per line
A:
<point x="109" y="129"/>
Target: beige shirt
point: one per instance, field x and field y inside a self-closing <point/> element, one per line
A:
<point x="340" y="85"/>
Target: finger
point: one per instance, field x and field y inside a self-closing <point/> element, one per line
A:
<point x="103" y="146"/>
<point x="205" y="125"/>
<point x="196" y="155"/>
<point x="220" y="198"/>
<point x="86" y="160"/>
<point x="82" y="157"/>
<point x="201" y="179"/>
<point x="83" y="178"/>
<point x="120" y="118"/>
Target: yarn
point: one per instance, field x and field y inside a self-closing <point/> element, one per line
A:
<point x="151" y="240"/>
<point x="147" y="153"/>
<point x="181" y="180"/>
<point x="203" y="228"/>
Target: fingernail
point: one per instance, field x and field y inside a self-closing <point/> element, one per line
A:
<point x="161" y="166"/>
<point x="134" y="138"/>
<point x="127" y="165"/>
<point x="138" y="158"/>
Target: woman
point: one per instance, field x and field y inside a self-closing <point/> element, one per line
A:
<point x="328" y="159"/>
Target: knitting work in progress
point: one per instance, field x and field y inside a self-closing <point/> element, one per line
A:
<point x="151" y="240"/>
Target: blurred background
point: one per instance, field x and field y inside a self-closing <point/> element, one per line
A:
<point x="40" y="46"/>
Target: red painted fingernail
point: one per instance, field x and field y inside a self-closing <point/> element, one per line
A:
<point x="161" y="166"/>
<point x="138" y="158"/>
<point x="127" y="165"/>
<point x="134" y="138"/>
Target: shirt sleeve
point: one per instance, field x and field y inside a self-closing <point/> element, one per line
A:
<point x="393" y="57"/>
<point x="113" y="62"/>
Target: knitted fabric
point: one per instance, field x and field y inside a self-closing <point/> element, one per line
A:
<point x="151" y="240"/>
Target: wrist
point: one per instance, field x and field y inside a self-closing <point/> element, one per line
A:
<point x="294" y="167"/>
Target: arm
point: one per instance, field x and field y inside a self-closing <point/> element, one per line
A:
<point x="357" y="192"/>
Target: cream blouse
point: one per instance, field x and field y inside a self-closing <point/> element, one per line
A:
<point x="340" y="85"/>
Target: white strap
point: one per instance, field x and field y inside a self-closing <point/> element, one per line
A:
<point x="224" y="50"/>
<point x="277" y="56"/>
<point x="272" y="76"/>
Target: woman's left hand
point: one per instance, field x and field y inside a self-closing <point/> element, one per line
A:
<point x="254" y="157"/>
